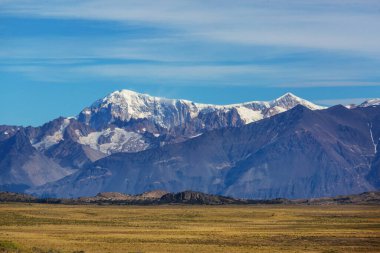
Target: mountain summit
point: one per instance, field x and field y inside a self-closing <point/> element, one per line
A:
<point x="370" y="102"/>
<point x="125" y="105"/>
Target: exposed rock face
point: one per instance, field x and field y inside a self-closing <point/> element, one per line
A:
<point x="297" y="154"/>
<point x="22" y="166"/>
<point x="156" y="194"/>
<point x="191" y="197"/>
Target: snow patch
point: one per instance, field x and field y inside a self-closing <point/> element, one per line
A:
<point x="249" y="115"/>
<point x="114" y="140"/>
<point x="373" y="141"/>
<point x="51" y="140"/>
<point x="194" y="136"/>
<point x="289" y="100"/>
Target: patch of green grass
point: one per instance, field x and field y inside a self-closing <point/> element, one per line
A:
<point x="8" y="246"/>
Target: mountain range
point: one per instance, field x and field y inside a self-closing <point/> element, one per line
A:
<point x="132" y="143"/>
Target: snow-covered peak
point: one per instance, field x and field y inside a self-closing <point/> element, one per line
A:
<point x="122" y="98"/>
<point x="125" y="105"/>
<point x="289" y="100"/>
<point x="288" y="95"/>
<point x="370" y="102"/>
<point x="130" y="98"/>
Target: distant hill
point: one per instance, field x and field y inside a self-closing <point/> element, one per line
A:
<point x="190" y="197"/>
<point x="359" y="199"/>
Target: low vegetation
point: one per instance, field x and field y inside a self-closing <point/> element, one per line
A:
<point x="43" y="228"/>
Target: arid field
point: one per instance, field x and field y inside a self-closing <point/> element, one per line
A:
<point x="171" y="228"/>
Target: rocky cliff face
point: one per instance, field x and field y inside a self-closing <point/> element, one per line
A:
<point x="21" y="165"/>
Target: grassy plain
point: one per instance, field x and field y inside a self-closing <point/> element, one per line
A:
<point x="90" y="228"/>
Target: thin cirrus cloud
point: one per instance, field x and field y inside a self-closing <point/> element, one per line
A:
<point x="170" y="75"/>
<point x="324" y="24"/>
<point x="189" y="73"/>
<point x="292" y="43"/>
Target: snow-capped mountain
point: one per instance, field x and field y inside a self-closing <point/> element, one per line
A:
<point x="370" y="102"/>
<point x="125" y="106"/>
<point x="300" y="153"/>
<point x="256" y="149"/>
<point x="127" y="121"/>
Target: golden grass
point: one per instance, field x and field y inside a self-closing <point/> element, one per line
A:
<point x="91" y="228"/>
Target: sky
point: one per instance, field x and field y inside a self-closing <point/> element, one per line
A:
<point x="57" y="57"/>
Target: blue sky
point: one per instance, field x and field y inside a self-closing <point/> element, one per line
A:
<point x="57" y="57"/>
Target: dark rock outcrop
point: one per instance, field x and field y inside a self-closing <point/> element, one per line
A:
<point x="191" y="197"/>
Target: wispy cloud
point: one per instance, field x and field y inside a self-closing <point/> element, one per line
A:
<point x="335" y="25"/>
<point x="272" y="43"/>
<point x="145" y="73"/>
<point x="189" y="73"/>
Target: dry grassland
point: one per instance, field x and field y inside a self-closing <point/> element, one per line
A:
<point x="44" y="228"/>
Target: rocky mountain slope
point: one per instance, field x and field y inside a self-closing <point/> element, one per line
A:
<point x="300" y="153"/>
<point x="21" y="165"/>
